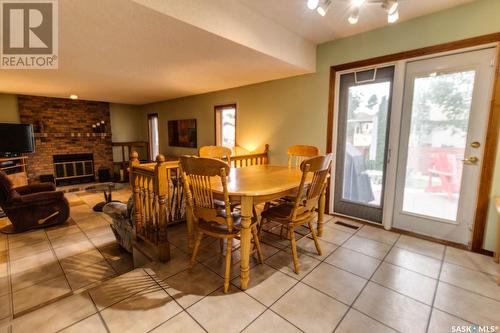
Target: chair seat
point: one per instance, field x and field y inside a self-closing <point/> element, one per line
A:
<point x="281" y="213"/>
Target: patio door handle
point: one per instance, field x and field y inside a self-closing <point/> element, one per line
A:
<point x="471" y="160"/>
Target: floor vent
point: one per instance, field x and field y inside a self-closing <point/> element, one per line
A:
<point x="355" y="227"/>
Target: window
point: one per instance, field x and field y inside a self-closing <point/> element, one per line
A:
<point x="225" y="125"/>
<point x="154" y="146"/>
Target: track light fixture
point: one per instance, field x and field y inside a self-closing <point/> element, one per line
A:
<point x="391" y="7"/>
<point x="323" y="8"/>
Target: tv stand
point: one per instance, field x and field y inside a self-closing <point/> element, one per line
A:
<point x="15" y="168"/>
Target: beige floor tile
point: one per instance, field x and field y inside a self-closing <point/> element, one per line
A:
<point x="335" y="282"/>
<point x="421" y="246"/>
<point x="393" y="309"/>
<point x="270" y="322"/>
<point x="306" y="246"/>
<point x="306" y="308"/>
<point x="378" y="234"/>
<point x="268" y="250"/>
<point x="82" y="213"/>
<point x="181" y="323"/>
<point x="407" y="282"/>
<point x="30" y="270"/>
<point x="121" y="287"/>
<point x="82" y="259"/>
<point x="74" y="249"/>
<point x="443" y="322"/>
<point x="218" y="265"/>
<point x="283" y="261"/>
<point x="467" y="305"/>
<point x="91" y="324"/>
<point x="367" y="246"/>
<point x="92" y="222"/>
<point x="414" y="262"/>
<point x="335" y="235"/>
<point x="141" y="312"/>
<point x="63" y="230"/>
<point x="472" y="260"/>
<point x="39" y="294"/>
<point x="267" y="284"/>
<point x="84" y="276"/>
<point x="472" y="280"/>
<point x="104" y="230"/>
<point x="191" y="285"/>
<point x="224" y="313"/>
<point x="179" y="261"/>
<point x="5" y="306"/>
<point x="26" y="238"/>
<point x="118" y="258"/>
<point x="103" y="240"/>
<point x="70" y="239"/>
<point x="354" y="262"/>
<point x="275" y="240"/>
<point x="56" y="316"/>
<point x="356" y="322"/>
<point x="24" y="251"/>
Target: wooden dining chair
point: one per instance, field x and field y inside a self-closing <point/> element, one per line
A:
<point x="218" y="152"/>
<point x="303" y="210"/>
<point x="298" y="153"/>
<point x="199" y="176"/>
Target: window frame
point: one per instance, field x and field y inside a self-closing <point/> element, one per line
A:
<point x="150" y="147"/>
<point x="217" y="110"/>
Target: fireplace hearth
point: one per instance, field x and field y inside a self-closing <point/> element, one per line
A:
<point x="71" y="169"/>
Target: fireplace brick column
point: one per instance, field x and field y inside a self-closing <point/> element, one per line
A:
<point x="64" y="126"/>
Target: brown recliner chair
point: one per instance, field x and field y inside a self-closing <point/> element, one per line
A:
<point x="32" y="206"/>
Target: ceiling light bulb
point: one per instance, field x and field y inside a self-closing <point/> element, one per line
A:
<point x="324" y="8"/>
<point x="312" y="4"/>
<point x="358" y="3"/>
<point x="354" y="17"/>
<point x="73" y="96"/>
<point x="393" y="17"/>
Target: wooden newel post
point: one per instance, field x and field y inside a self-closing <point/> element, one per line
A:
<point x="134" y="184"/>
<point x="161" y="188"/>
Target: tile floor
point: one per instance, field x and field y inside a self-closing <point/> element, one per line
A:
<point x="368" y="280"/>
<point x="42" y="266"/>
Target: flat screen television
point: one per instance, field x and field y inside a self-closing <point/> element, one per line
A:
<point x="16" y="139"/>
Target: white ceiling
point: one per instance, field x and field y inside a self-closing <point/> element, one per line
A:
<point x="294" y="15"/>
<point x="141" y="51"/>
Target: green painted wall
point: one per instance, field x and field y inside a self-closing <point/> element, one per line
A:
<point x="294" y="110"/>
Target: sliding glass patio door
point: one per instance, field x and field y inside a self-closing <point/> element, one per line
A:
<point x="444" y="120"/>
<point x="363" y="125"/>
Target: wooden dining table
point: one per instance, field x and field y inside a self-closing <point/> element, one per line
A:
<point x="253" y="185"/>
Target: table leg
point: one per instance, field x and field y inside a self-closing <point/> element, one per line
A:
<point x="321" y="212"/>
<point x="245" y="242"/>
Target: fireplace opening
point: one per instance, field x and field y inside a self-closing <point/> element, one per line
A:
<point x="71" y="169"/>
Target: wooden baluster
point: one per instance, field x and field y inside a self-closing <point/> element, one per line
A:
<point x="161" y="185"/>
<point x="169" y="205"/>
<point x="134" y="183"/>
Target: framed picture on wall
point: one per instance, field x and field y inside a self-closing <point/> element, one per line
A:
<point x="182" y="133"/>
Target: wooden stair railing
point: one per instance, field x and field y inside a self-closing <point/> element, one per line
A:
<point x="158" y="199"/>
<point x="244" y="160"/>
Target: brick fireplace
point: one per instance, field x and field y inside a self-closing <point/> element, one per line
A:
<point x="64" y="126"/>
